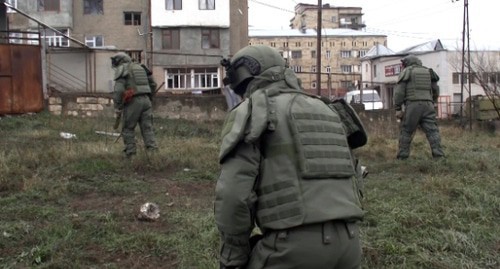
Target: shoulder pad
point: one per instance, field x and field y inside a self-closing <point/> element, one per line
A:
<point x="120" y="71"/>
<point x="259" y="111"/>
<point x="356" y="132"/>
<point x="404" y="75"/>
<point x="434" y="76"/>
<point x="234" y="127"/>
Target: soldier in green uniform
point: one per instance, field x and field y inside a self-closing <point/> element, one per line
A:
<point x="417" y="90"/>
<point x="287" y="171"/>
<point x="133" y="93"/>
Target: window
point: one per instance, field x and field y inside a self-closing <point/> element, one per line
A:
<point x="207" y="4"/>
<point x="297" y="44"/>
<point x="455" y="78"/>
<point x="296" y="54"/>
<point x="346" y="68"/>
<point x="346" y="84"/>
<point x="205" y="78"/>
<point x="374" y="71"/>
<point x="313" y="84"/>
<point x="132" y="18"/>
<point x="273" y="44"/>
<point x="15" y="38"/>
<point x="328" y="69"/>
<point x="328" y="54"/>
<point x="334" y="18"/>
<point x="192" y="79"/>
<point x="210" y="39"/>
<point x="345" y="54"/>
<point x="296" y="68"/>
<point x="362" y="53"/>
<point x="136" y="55"/>
<point x="313" y="68"/>
<point x="48" y="5"/>
<point x="94" y="41"/>
<point x="92" y="7"/>
<point x="173" y="4"/>
<point x="285" y="44"/>
<point x="170" y="39"/>
<point x="313" y="54"/>
<point x="54" y="39"/>
<point x="12" y="3"/>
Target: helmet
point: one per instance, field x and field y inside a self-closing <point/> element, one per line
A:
<point x="249" y="62"/>
<point x="120" y="58"/>
<point x="409" y="60"/>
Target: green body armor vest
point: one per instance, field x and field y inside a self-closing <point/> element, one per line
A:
<point x="139" y="78"/>
<point x="307" y="170"/>
<point x="418" y="87"/>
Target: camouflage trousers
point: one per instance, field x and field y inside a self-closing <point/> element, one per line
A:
<point x="138" y="111"/>
<point x="423" y="114"/>
<point x="332" y="244"/>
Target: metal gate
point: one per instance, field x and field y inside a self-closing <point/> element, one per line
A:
<point x="21" y="88"/>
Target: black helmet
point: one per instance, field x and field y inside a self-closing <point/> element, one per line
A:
<point x="249" y="62"/>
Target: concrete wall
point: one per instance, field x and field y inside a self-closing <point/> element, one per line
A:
<point x="63" y="18"/>
<point x="111" y="24"/>
<point x="202" y="108"/>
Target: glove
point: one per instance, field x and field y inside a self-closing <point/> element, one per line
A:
<point x="399" y="114"/>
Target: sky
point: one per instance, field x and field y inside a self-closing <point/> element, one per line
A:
<point x="405" y="22"/>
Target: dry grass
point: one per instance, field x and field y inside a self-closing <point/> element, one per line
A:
<point x="72" y="203"/>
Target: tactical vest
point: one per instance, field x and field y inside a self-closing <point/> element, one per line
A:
<point x="307" y="170"/>
<point x="418" y="87"/>
<point x="138" y="78"/>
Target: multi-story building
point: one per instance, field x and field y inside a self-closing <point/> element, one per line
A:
<point x="191" y="37"/>
<point x="306" y="16"/>
<point x="342" y="46"/>
<point x="181" y="41"/>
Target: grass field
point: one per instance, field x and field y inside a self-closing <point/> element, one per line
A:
<point x="72" y="203"/>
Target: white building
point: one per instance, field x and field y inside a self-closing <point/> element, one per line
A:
<point x="380" y="69"/>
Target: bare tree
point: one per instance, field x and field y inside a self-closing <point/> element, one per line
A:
<point x="484" y="68"/>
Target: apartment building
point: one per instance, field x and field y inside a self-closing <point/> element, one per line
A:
<point x="181" y="41"/>
<point x="191" y="37"/>
<point x="342" y="46"/>
<point x="306" y="16"/>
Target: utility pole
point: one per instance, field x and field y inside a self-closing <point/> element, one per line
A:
<point x="318" y="50"/>
<point x="465" y="61"/>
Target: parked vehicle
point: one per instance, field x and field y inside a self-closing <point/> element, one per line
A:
<point x="371" y="100"/>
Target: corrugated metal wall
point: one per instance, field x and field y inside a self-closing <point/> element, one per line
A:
<point x="20" y="79"/>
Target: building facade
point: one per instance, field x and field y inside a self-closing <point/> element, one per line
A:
<point x="181" y="41"/>
<point x="306" y="17"/>
<point x="381" y="72"/>
<point x="342" y="46"/>
<point x="341" y="51"/>
<point x="191" y="37"/>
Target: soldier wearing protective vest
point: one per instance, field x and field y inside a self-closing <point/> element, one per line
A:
<point x="417" y="92"/>
<point x="287" y="171"/>
<point x="133" y="92"/>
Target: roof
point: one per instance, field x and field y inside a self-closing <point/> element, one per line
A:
<point x="379" y="50"/>
<point x="433" y="45"/>
<point x="254" y="32"/>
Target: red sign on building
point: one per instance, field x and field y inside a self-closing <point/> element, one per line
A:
<point x="393" y="70"/>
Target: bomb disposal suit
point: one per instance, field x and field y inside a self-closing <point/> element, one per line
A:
<point x="417" y="90"/>
<point x="286" y="168"/>
<point x="133" y="93"/>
